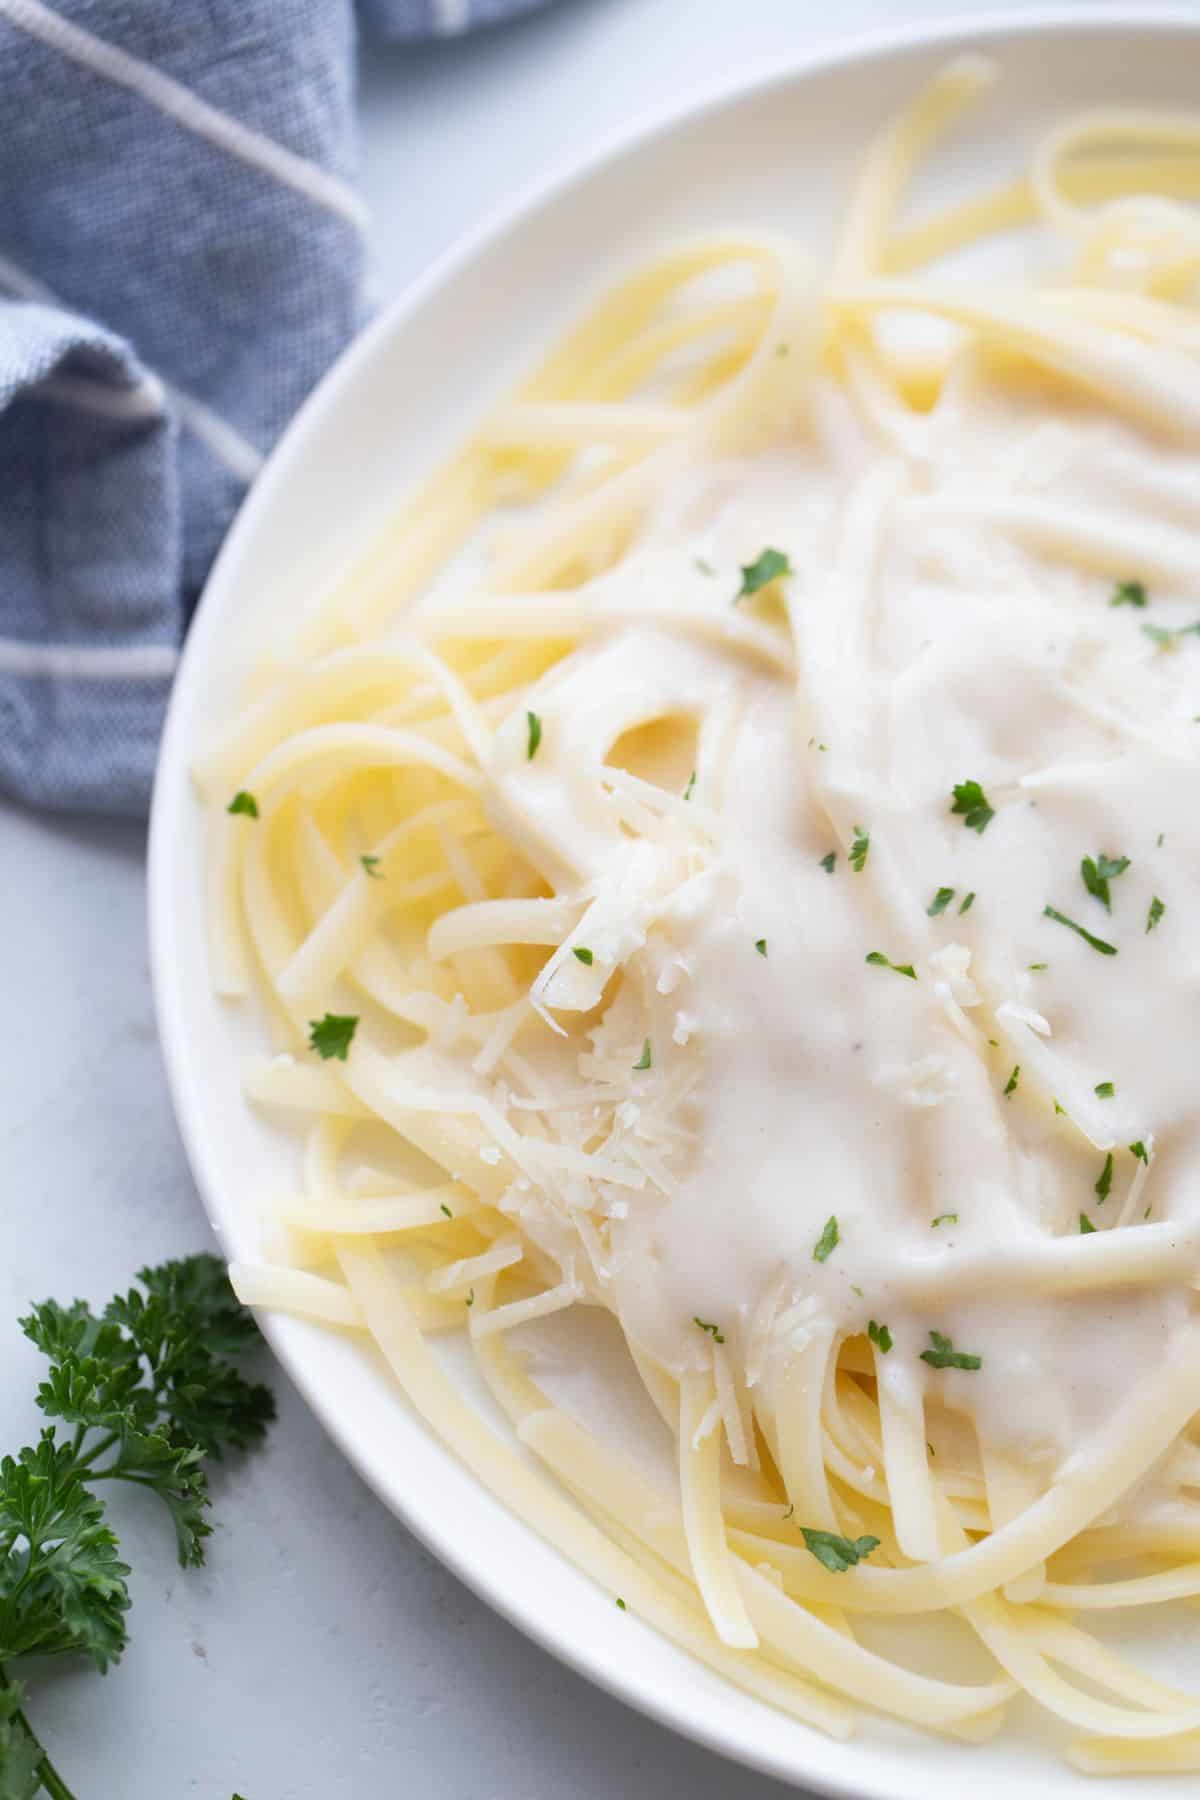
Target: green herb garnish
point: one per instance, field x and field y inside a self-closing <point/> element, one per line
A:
<point x="583" y="954"/>
<point x="535" y="735"/>
<point x="446" y="1210"/>
<point x="837" y="1554"/>
<point x="880" y="1336"/>
<point x="243" y="803"/>
<point x="881" y="961"/>
<point x="714" y="1331"/>
<point x="971" y="801"/>
<point x="1128" y="593"/>
<point x="940" y="902"/>
<point x="944" y="1219"/>
<point x="827" y="1243"/>
<point x="769" y="566"/>
<point x="1052" y="912"/>
<point x="1104" y="1090"/>
<point x="645" y="1059"/>
<point x="333" y="1035"/>
<point x="967" y="904"/>
<point x="944" y="1356"/>
<point x="760" y="944"/>
<point x="1085" y="1225"/>
<point x="1165" y="638"/>
<point x="371" y="867"/>
<point x="1104" y="1181"/>
<point x="621" y="1604"/>
<point x="1157" y="909"/>
<point x="1098" y="873"/>
<point x="828" y="861"/>
<point x="690" y="789"/>
<point x="143" y="1393"/>
<point x="1010" y="1086"/>
<point x="1139" y="1150"/>
<point x="858" y="849"/>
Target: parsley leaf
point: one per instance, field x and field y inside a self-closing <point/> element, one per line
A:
<point x="645" y="1060"/>
<point x="1052" y="912"/>
<point x="1128" y="593"/>
<point x="690" y="789"/>
<point x="1140" y="1151"/>
<point x="858" y="850"/>
<point x="333" y="1035"/>
<point x="1099" y="872"/>
<point x="1167" y="639"/>
<point x="944" y="1356"/>
<point x="880" y="1336"/>
<point x="828" y="1241"/>
<point x="583" y="954"/>
<point x="940" y="902"/>
<point x="828" y="861"/>
<point x="881" y="961"/>
<point x="714" y="1331"/>
<point x="1104" y="1090"/>
<point x="1085" y="1225"/>
<point x="967" y="904"/>
<point x="148" y="1390"/>
<point x="944" y="1219"/>
<point x="371" y="867"/>
<point x="243" y="803"/>
<point x="837" y="1554"/>
<point x="1157" y="909"/>
<point x="769" y="566"/>
<point x="1011" y="1084"/>
<point x="1104" y="1180"/>
<point x="534" y="737"/>
<point x="971" y="801"/>
<point x="760" y="944"/>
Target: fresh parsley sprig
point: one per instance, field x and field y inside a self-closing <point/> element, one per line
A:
<point x="144" y="1392"/>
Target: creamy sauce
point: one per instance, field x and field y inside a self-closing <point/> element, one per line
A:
<point x="944" y="631"/>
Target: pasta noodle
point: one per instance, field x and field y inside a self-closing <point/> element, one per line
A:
<point x="562" y="876"/>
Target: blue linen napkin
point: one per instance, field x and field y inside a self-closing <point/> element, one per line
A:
<point x="181" y="257"/>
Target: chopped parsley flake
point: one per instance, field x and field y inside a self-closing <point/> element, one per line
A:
<point x="1085" y="1225"/>
<point x="645" y="1060"/>
<point x="1010" y="1086"/>
<point x="859" y="848"/>
<point x="1034" y="968"/>
<point x="791" y="1509"/>
<point x="714" y="1331"/>
<point x="884" y="962"/>
<point x="760" y="944"/>
<point x="769" y="566"/>
<point x="944" y="1356"/>
<point x="446" y="1210"/>
<point x="837" y="1554"/>
<point x="1097" y="875"/>
<point x="243" y="803"/>
<point x="1052" y="912"/>
<point x="1104" y="1090"/>
<point x="1060" y="1111"/>
<point x="828" y="861"/>
<point x="1157" y="909"/>
<point x="535" y="735"/>
<point x="471" y="1298"/>
<point x="1139" y="1150"/>
<point x="371" y="867"/>
<point x="333" y="1035"/>
<point x="827" y="1243"/>
<point x="967" y="904"/>
<point x="944" y="1219"/>
<point x="621" y="1604"/>
<point x="971" y="801"/>
<point x="1129" y="593"/>
<point x="940" y="902"/>
<point x="1165" y="638"/>
<point x="690" y="789"/>
<point x="583" y="955"/>
<point x="1104" y="1181"/>
<point x="880" y="1336"/>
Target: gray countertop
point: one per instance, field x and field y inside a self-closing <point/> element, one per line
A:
<point x="321" y="1654"/>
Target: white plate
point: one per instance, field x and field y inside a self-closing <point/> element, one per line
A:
<point x="772" y="150"/>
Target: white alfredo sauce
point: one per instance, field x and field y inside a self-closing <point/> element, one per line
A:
<point x="952" y="622"/>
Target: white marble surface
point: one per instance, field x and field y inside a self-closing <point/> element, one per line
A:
<point x="321" y="1654"/>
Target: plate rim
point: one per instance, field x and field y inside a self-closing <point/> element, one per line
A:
<point x="959" y="31"/>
